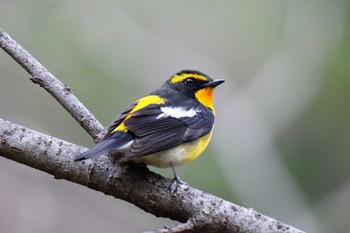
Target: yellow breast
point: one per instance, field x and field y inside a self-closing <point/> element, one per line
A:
<point x="179" y="155"/>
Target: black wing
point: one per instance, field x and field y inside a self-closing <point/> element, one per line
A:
<point x="156" y="132"/>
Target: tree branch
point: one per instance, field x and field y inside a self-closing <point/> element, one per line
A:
<point x="198" y="211"/>
<point x="61" y="92"/>
<point x="149" y="191"/>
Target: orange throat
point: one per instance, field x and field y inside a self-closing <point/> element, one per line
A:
<point x="205" y="97"/>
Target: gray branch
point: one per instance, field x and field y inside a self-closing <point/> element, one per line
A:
<point x="61" y="92"/>
<point x="197" y="211"/>
<point x="133" y="183"/>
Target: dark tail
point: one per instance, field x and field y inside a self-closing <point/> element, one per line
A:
<point x="111" y="142"/>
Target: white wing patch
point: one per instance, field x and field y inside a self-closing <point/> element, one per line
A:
<point x="126" y="145"/>
<point x="177" y="112"/>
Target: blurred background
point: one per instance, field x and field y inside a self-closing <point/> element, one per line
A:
<point x="281" y="142"/>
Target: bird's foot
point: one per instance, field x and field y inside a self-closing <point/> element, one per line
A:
<point x="175" y="183"/>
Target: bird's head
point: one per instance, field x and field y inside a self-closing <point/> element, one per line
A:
<point x="196" y="85"/>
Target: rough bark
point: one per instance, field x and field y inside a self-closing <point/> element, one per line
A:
<point x="134" y="183"/>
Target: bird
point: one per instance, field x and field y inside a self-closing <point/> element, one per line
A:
<point x="169" y="127"/>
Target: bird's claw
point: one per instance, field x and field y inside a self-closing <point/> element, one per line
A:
<point x="175" y="183"/>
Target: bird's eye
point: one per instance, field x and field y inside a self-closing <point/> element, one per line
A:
<point x="189" y="81"/>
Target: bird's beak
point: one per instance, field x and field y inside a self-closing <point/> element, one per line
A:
<point x="213" y="83"/>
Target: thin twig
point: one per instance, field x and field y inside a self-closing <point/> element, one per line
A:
<point x="61" y="92"/>
<point x="187" y="227"/>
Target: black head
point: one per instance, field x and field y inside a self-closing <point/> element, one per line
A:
<point x="191" y="81"/>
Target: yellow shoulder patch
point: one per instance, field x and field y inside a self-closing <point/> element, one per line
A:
<point x="182" y="77"/>
<point x="141" y="103"/>
<point x="147" y="100"/>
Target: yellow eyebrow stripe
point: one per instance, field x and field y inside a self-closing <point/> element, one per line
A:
<point x="182" y="77"/>
<point x="141" y="103"/>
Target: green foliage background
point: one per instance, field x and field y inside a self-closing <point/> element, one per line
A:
<point x="281" y="142"/>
